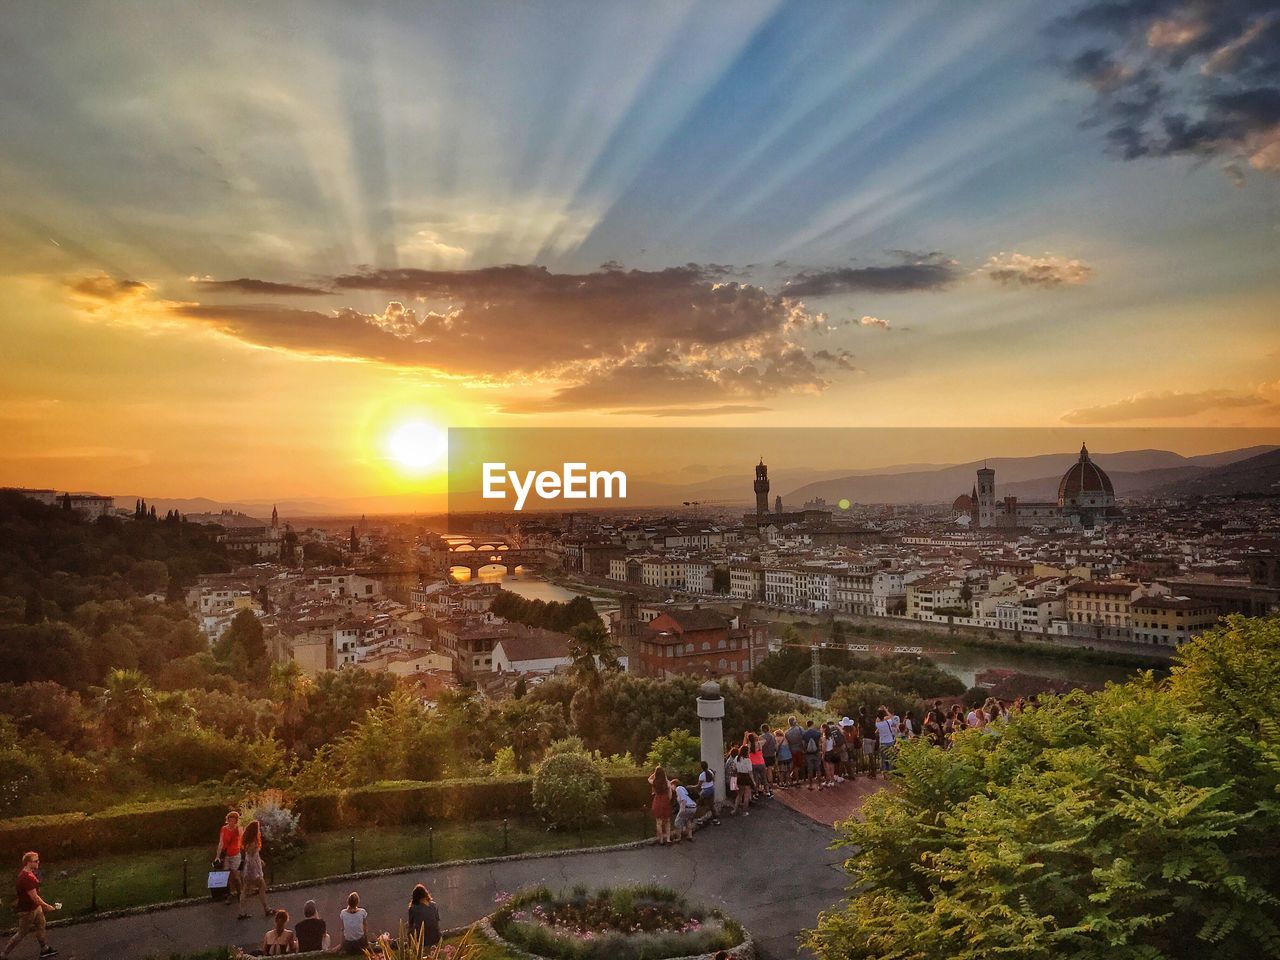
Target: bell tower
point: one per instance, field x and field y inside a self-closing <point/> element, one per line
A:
<point x="762" y="488"/>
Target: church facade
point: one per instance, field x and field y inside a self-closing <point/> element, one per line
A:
<point x="1086" y="499"/>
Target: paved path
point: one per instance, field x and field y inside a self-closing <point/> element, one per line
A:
<point x="771" y="871"/>
<point x="832" y="804"/>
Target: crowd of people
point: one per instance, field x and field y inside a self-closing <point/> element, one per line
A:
<point x="812" y="756"/>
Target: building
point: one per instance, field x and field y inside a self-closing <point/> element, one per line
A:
<point x="700" y="643"/>
<point x="540" y="652"/>
<point x="1086" y="499"/>
<point x="1170" y="621"/>
<point x="1102" y="609"/>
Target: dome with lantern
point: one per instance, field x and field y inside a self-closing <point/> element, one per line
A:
<point x="1086" y="486"/>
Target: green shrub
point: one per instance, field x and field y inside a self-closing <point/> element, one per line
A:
<point x="170" y="823"/>
<point x="569" y="790"/>
<point x="678" y="753"/>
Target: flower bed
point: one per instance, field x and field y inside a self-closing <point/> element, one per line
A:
<point x="622" y="923"/>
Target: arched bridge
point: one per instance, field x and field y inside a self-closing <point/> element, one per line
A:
<point x="479" y="553"/>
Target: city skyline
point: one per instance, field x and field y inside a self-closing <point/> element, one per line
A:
<point x="245" y="249"/>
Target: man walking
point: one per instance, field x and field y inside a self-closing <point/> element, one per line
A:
<point x="30" y="907"/>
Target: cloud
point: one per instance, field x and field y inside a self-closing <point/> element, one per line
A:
<point x="873" y="322"/>
<point x="103" y="289"/>
<point x="610" y="339"/>
<point x="1183" y="78"/>
<point x="1019" y="269"/>
<point x="920" y="272"/>
<point x="1168" y="405"/>
<point x="727" y="409"/>
<point x="252" y="286"/>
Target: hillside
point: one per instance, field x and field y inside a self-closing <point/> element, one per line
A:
<point x="1256" y="475"/>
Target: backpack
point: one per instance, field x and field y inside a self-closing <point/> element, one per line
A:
<point x="810" y="744"/>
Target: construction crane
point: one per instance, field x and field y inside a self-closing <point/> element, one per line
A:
<point x="815" y="662"/>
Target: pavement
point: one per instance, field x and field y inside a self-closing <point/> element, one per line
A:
<point x="831" y="805"/>
<point x="735" y="867"/>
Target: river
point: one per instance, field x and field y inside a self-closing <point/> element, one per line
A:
<point x="965" y="664"/>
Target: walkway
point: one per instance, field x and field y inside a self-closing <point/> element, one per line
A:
<point x="834" y="804"/>
<point x="734" y="867"/>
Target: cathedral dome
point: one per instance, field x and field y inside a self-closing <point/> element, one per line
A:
<point x="1085" y="481"/>
<point x="963" y="504"/>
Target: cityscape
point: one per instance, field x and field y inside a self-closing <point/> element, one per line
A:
<point x="680" y="481"/>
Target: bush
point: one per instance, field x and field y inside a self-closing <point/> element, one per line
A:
<point x="168" y="824"/>
<point x="569" y="790"/>
<point x="677" y="753"/>
<point x="281" y="827"/>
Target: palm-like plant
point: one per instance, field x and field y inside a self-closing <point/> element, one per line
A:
<point x="591" y="648"/>
<point x="407" y="946"/>
<point x="126" y="702"/>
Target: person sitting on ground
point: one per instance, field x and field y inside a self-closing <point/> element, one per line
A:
<point x="30" y="907"/>
<point x="280" y="939"/>
<point x="311" y="931"/>
<point x="687" y="808"/>
<point x="355" y="927"/>
<point x="424" y="916"/>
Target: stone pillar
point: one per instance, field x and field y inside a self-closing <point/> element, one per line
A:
<point x="711" y="722"/>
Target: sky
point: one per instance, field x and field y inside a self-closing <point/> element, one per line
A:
<point x="245" y="247"/>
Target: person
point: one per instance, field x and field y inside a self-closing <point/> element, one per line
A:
<point x="839" y="752"/>
<point x="870" y="742"/>
<point x="252" y="879"/>
<point x="852" y="747"/>
<point x="784" y="759"/>
<point x="887" y="736"/>
<point x="707" y="793"/>
<point x="795" y="741"/>
<point x="743" y="769"/>
<point x="687" y="808"/>
<point x="311" y="931"/>
<point x="907" y="728"/>
<point x="660" y="804"/>
<point x="731" y="780"/>
<point x="280" y="939"/>
<point x="812" y="754"/>
<point x="355" y="926"/>
<point x="759" y="773"/>
<point x="424" y="917"/>
<point x="769" y="747"/>
<point x="933" y="728"/>
<point x="30" y="907"/>
<point x="227" y="856"/>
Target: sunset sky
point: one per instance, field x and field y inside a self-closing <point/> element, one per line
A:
<point x="242" y="244"/>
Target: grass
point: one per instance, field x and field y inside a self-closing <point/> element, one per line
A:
<point x="155" y="876"/>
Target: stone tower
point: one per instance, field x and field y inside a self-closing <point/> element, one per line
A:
<point x="777" y="504"/>
<point x="627" y="634"/>
<point x="762" y="488"/>
<point x="986" y="497"/>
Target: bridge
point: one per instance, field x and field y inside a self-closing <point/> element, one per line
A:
<point x="477" y="553"/>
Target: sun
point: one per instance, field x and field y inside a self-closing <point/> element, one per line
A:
<point x="416" y="446"/>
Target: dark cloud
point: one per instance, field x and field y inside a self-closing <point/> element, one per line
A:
<point x="727" y="409"/>
<point x="924" y="272"/>
<point x="107" y="289"/>
<point x="1183" y="77"/>
<point x="267" y="287"/>
<point x="611" y="339"/>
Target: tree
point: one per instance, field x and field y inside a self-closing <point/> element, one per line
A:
<point x="720" y="580"/>
<point x="1139" y="823"/>
<point x="243" y="645"/>
<point x="126" y="703"/>
<point x="678" y="752"/>
<point x="591" y="649"/>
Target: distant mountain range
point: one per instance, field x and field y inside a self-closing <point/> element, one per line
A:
<point x="1133" y="472"/>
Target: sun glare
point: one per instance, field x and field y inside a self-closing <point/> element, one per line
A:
<point x="416" y="446"/>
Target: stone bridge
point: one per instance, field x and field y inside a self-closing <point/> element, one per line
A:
<point x="481" y="553"/>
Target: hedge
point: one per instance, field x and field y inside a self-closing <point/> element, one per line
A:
<point x="187" y="823"/>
